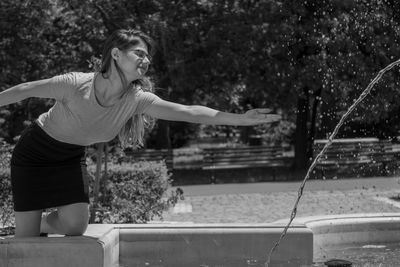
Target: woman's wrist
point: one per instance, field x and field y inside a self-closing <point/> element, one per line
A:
<point x="235" y="119"/>
<point x="243" y="120"/>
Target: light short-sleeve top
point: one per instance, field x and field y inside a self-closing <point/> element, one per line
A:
<point x="78" y="118"/>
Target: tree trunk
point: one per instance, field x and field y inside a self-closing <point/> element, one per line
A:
<point x="328" y="120"/>
<point x="301" y="135"/>
<point x="314" y="113"/>
<point x="96" y="186"/>
<point x="162" y="137"/>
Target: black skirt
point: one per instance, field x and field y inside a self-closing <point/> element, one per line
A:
<point x="47" y="173"/>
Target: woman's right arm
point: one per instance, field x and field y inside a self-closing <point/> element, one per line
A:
<point x="22" y="91"/>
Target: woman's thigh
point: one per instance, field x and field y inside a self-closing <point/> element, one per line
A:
<point x="27" y="223"/>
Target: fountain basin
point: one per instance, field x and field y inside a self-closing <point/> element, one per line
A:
<point x="227" y="245"/>
<point x="162" y="245"/>
<point x="349" y="230"/>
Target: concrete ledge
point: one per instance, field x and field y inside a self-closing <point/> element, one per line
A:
<point x="201" y="244"/>
<point x="350" y="229"/>
<point x="212" y="245"/>
<point x="167" y="245"/>
<point x="98" y="247"/>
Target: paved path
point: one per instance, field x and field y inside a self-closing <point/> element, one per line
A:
<point x="271" y="201"/>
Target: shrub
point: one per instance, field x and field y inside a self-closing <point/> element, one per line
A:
<point x="5" y="154"/>
<point x="135" y="193"/>
<point x="6" y="204"/>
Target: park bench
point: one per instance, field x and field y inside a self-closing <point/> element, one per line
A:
<point x="356" y="153"/>
<point x="152" y="155"/>
<point x="243" y="157"/>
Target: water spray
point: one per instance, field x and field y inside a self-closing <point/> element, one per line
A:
<point x="330" y="140"/>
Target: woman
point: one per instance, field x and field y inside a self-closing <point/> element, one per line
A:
<point x="48" y="163"/>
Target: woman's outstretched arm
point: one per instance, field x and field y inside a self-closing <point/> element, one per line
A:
<point x="166" y="110"/>
<point x="47" y="88"/>
<point x="22" y="91"/>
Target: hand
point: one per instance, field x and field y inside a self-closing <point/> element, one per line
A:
<point x="259" y="116"/>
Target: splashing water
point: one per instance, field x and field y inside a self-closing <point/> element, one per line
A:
<point x="330" y="140"/>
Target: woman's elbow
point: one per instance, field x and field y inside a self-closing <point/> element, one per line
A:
<point x="23" y="91"/>
<point x="14" y="94"/>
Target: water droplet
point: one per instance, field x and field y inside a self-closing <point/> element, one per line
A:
<point x="251" y="262"/>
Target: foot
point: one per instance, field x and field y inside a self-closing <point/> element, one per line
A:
<point x="45" y="228"/>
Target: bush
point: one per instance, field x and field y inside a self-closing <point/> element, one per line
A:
<point x="5" y="154"/>
<point x="6" y="204"/>
<point x="135" y="193"/>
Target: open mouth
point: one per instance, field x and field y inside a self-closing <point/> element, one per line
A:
<point x="142" y="70"/>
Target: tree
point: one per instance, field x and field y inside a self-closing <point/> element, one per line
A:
<point x="46" y="44"/>
<point x="332" y="48"/>
<point x="308" y="59"/>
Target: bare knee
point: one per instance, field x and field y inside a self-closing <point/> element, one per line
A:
<point x="74" y="218"/>
<point x="75" y="225"/>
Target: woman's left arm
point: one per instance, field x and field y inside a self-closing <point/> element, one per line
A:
<point x="166" y="110"/>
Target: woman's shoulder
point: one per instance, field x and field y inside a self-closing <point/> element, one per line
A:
<point x="139" y="92"/>
<point x="82" y="76"/>
<point x="74" y="77"/>
<point x="146" y="96"/>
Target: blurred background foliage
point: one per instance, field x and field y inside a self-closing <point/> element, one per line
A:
<point x="307" y="60"/>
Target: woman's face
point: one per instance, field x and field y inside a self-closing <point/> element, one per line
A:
<point x="134" y="61"/>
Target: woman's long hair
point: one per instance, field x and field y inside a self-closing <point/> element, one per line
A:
<point x="132" y="132"/>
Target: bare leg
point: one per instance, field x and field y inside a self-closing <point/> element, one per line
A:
<point x="27" y="223"/>
<point x="70" y="219"/>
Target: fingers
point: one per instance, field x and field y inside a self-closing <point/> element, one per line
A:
<point x="273" y="117"/>
<point x="262" y="115"/>
<point x="263" y="110"/>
